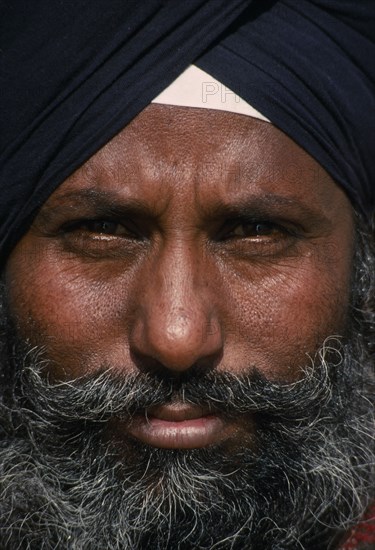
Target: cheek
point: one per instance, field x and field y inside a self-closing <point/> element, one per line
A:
<point x="71" y="310"/>
<point x="282" y="317"/>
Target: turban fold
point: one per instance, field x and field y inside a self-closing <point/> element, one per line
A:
<point x="75" y="72"/>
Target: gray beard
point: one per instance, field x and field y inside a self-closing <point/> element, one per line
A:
<point x="64" y="484"/>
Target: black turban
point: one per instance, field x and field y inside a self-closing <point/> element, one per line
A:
<point x="75" y="72"/>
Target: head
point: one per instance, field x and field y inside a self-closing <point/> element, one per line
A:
<point x="187" y="295"/>
<point x="186" y="337"/>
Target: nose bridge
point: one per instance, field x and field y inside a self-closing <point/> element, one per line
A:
<point x="177" y="324"/>
<point x="180" y="275"/>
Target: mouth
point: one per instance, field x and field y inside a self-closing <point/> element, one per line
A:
<point x="178" y="426"/>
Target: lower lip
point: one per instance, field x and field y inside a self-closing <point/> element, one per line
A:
<point x="185" y="434"/>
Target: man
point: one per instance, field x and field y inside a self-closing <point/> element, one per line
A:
<point x="187" y="277"/>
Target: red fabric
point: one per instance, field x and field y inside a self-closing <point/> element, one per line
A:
<point x="363" y="534"/>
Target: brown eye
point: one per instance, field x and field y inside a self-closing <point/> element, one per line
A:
<point x="105" y="227"/>
<point x="102" y="238"/>
<point x="100" y="227"/>
<point x="253" y="229"/>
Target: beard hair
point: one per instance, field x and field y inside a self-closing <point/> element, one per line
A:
<point x="65" y="484"/>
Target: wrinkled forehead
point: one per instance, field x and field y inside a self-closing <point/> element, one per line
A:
<point x="178" y="158"/>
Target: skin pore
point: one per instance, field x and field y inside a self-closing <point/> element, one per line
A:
<point x="197" y="253"/>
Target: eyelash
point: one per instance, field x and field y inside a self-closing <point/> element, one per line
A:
<point x="229" y="227"/>
<point x="257" y="229"/>
<point x="83" y="226"/>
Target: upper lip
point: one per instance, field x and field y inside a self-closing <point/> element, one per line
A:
<point x="177" y="412"/>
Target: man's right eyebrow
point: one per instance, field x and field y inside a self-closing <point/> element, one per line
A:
<point x="94" y="202"/>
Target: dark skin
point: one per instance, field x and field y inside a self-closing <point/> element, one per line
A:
<point x="217" y="242"/>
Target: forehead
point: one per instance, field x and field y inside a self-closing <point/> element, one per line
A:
<point x="173" y="152"/>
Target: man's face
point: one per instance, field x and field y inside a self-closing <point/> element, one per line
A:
<point x="193" y="238"/>
<point x="195" y="243"/>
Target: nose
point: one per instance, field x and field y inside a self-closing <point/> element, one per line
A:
<point x="176" y="325"/>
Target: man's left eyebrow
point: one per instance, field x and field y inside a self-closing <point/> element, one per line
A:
<point x="267" y="205"/>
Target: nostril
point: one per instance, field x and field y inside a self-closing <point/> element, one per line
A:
<point x="147" y="364"/>
<point x="144" y="362"/>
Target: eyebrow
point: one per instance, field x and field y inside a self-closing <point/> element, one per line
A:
<point x="108" y="202"/>
<point x="269" y="204"/>
<point x="98" y="201"/>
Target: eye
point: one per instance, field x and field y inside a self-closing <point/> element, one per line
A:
<point x="102" y="238"/>
<point x="104" y="227"/>
<point x="253" y="229"/>
<point x="101" y="227"/>
<point x="256" y="238"/>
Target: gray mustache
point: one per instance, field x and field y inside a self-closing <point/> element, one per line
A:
<point x="98" y="398"/>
